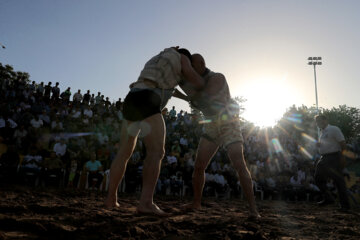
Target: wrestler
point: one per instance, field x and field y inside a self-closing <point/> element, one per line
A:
<point x="142" y="112"/>
<point x="222" y="129"/>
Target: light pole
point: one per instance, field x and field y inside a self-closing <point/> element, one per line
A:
<point x="315" y="61"/>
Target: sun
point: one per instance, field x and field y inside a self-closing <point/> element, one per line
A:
<point x="267" y="100"/>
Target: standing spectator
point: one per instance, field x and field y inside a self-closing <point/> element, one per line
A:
<point x="98" y="98"/>
<point x="86" y="98"/>
<point x="65" y="96"/>
<point x="40" y="89"/>
<point x="55" y="92"/>
<point x="92" y="100"/>
<point x="332" y="162"/>
<point x="47" y="93"/>
<point x="172" y="113"/>
<point x="107" y="103"/>
<point x="77" y="98"/>
<point x="32" y="87"/>
<point x="118" y="104"/>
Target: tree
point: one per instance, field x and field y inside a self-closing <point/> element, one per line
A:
<point x="347" y="119"/>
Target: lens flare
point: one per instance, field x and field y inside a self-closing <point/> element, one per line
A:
<point x="309" y="138"/>
<point x="205" y="121"/>
<point x="305" y="152"/>
<point x="277" y="145"/>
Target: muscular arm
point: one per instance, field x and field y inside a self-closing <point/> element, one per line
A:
<point x="190" y="74"/>
<point x="180" y="95"/>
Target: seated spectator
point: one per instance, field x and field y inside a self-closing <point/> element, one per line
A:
<point x="53" y="167"/>
<point x="94" y="168"/>
<point x="176" y="149"/>
<point x="76" y="113"/>
<point x="31" y="165"/>
<point x="72" y="172"/>
<point x="171" y="158"/>
<point x="56" y="125"/>
<point x="19" y="136"/>
<point x="36" y="122"/>
<point x="88" y="112"/>
<point x="45" y="118"/>
<point x="60" y="148"/>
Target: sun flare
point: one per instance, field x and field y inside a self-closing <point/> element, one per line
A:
<point x="267" y="101"/>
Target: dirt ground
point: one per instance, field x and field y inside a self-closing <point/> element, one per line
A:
<point x="27" y="213"/>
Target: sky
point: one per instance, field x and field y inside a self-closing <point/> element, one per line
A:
<point x="261" y="47"/>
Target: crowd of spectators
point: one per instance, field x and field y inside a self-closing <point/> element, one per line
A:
<point x="51" y="137"/>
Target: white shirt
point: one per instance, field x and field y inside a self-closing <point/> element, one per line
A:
<point x="29" y="158"/>
<point x="2" y="123"/>
<point x="294" y="182"/>
<point x="218" y="178"/>
<point x="330" y="138"/>
<point x="36" y="123"/>
<point x="60" y="149"/>
<point x="55" y="124"/>
<point x="171" y="159"/>
<point x="183" y="141"/>
<point x="77" y="97"/>
<point x="88" y="112"/>
<point x="209" y="177"/>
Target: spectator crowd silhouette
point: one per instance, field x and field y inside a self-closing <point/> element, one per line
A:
<point x="50" y="137"/>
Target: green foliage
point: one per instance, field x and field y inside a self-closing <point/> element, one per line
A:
<point x="7" y="73"/>
<point x="346" y="118"/>
<point x="297" y="120"/>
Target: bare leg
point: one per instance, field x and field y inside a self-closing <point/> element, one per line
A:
<point x="205" y="152"/>
<point x="118" y="166"/>
<point x="235" y="153"/>
<point x="154" y="141"/>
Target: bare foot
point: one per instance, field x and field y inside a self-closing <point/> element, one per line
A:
<point x="111" y="203"/>
<point x="152" y="210"/>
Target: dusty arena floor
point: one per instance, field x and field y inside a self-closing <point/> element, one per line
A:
<point x="67" y="214"/>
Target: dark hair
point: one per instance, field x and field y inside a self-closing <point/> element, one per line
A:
<point x="185" y="52"/>
<point x="320" y="117"/>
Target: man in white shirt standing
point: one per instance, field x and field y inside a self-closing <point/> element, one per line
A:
<point x="331" y="146"/>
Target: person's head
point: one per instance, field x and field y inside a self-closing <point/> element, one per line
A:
<point x="198" y="63"/>
<point x="88" y="91"/>
<point x="99" y="93"/>
<point x="57" y="83"/>
<point x="49" y="83"/>
<point x="185" y="52"/>
<point x="79" y="91"/>
<point x="321" y="121"/>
